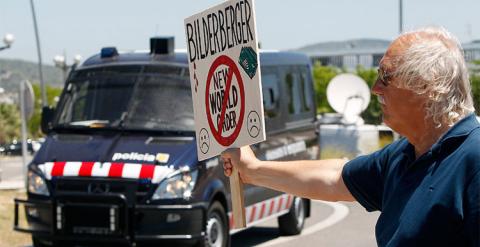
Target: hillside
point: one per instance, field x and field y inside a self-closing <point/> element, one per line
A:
<point x="13" y="71"/>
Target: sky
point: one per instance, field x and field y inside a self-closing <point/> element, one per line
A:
<point x="84" y="27"/>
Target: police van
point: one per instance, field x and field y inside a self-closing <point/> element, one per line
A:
<point x="119" y="164"/>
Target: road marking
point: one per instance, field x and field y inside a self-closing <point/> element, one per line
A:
<point x="17" y="178"/>
<point x="340" y="211"/>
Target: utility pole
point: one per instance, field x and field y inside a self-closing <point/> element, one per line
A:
<point x="400" y="17"/>
<point x="42" y="85"/>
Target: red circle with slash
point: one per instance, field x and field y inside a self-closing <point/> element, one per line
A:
<point x="233" y="71"/>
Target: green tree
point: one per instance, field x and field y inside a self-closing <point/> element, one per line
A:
<point x="475" y="81"/>
<point x="373" y="113"/>
<point x="34" y="122"/>
<point x="322" y="75"/>
<point x="9" y="123"/>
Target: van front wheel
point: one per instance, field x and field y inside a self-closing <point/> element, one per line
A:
<point x="39" y="243"/>
<point x="216" y="230"/>
<point x="292" y="223"/>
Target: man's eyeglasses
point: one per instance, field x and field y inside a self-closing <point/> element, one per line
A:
<point x="384" y="77"/>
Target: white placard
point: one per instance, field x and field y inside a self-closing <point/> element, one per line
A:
<point x="225" y="77"/>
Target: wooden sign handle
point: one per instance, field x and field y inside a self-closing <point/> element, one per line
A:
<point x="238" y="206"/>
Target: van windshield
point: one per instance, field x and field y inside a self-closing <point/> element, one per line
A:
<point x="131" y="97"/>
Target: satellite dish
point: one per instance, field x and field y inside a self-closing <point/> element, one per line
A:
<point x="349" y="95"/>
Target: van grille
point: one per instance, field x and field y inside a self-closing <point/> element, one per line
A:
<point x="135" y="191"/>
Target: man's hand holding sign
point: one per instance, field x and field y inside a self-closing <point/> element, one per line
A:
<point x="224" y="73"/>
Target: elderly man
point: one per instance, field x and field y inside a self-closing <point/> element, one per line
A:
<point x="427" y="184"/>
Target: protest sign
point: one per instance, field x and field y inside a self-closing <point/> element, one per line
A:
<point x="224" y="70"/>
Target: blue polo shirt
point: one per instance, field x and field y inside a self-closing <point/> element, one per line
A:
<point x="430" y="201"/>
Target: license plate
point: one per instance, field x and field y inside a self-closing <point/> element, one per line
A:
<point x="91" y="230"/>
<point x="91" y="219"/>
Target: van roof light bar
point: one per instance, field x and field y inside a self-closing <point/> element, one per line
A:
<point x="108" y="52"/>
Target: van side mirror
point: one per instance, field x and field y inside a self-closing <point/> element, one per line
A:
<point x="47" y="117"/>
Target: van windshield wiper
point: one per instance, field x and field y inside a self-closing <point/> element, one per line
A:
<point x="161" y="131"/>
<point x="88" y="125"/>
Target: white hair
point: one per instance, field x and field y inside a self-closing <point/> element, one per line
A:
<point x="433" y="65"/>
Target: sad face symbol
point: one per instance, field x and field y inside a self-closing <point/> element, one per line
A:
<point x="204" y="140"/>
<point x="253" y="124"/>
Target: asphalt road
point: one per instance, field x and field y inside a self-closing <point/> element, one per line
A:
<point x="11" y="167"/>
<point x="331" y="224"/>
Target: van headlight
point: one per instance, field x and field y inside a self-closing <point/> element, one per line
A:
<point x="179" y="185"/>
<point x="36" y="184"/>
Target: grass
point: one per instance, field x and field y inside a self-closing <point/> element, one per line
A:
<point x="385" y="139"/>
<point x="335" y="153"/>
<point x="8" y="237"/>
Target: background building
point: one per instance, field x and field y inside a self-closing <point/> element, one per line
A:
<point x="472" y="50"/>
<point x="365" y="52"/>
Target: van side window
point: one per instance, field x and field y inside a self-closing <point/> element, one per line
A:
<point x="293" y="92"/>
<point x="306" y="90"/>
<point x="298" y="89"/>
<point x="270" y="93"/>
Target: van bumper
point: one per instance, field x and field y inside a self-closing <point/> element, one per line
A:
<point x="109" y="219"/>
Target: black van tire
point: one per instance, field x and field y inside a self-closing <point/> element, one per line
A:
<point x="292" y="223"/>
<point x="36" y="242"/>
<point x="216" y="229"/>
<point x="41" y="242"/>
